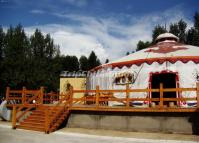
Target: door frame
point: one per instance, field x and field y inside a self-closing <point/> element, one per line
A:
<point x="178" y="93"/>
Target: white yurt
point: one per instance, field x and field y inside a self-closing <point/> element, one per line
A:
<point x="169" y="62"/>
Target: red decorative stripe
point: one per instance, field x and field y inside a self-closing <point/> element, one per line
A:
<point x="138" y="62"/>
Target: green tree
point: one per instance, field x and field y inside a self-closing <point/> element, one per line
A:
<point x="157" y="31"/>
<point x="127" y="53"/>
<point x="70" y="63"/>
<point x="43" y="60"/>
<point x="182" y="31"/>
<point x="174" y="29"/>
<point x="196" y="21"/>
<point x="142" y="45"/>
<point x="93" y="61"/>
<point x="107" y="61"/>
<point x="83" y="61"/>
<point x="16" y="57"/>
<point x="196" y="30"/>
<point x="189" y="36"/>
<point x="2" y="37"/>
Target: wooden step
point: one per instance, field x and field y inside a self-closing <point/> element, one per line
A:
<point x="34" y="120"/>
<point x="32" y="123"/>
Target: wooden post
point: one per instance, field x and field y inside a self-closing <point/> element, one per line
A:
<point x="197" y="88"/>
<point x="7" y="93"/>
<point x="97" y="96"/>
<point x="71" y="96"/>
<point x="127" y="95"/>
<point x="47" y="121"/>
<point x="14" y="113"/>
<point x="24" y="95"/>
<point x="41" y="94"/>
<point x="161" y="96"/>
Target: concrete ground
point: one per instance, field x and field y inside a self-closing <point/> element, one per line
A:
<point x="77" y="135"/>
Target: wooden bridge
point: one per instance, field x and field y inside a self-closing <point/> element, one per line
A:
<point x="36" y="110"/>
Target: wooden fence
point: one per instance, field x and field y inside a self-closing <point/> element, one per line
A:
<point x="97" y="100"/>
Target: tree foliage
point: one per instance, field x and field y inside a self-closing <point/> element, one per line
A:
<point x="142" y="45"/>
<point x="107" y="61"/>
<point x="157" y="31"/>
<point x="93" y="61"/>
<point x="83" y="61"/>
<point x="190" y="36"/>
<point x="35" y="61"/>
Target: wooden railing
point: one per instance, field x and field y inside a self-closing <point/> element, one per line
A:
<point x="24" y="96"/>
<point x="50" y="119"/>
<point x="98" y="98"/>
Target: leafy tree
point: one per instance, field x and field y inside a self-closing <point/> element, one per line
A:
<point x="44" y="53"/>
<point x="174" y="29"/>
<point x="196" y="21"/>
<point x="196" y="38"/>
<point x="83" y="61"/>
<point x="142" y="45"/>
<point x="189" y="36"/>
<point x="70" y="63"/>
<point x="2" y="37"/>
<point x="127" y="53"/>
<point x="157" y="31"/>
<point x="107" y="61"/>
<point x="182" y="31"/>
<point x="196" y="30"/>
<point x="16" y="54"/>
<point x="93" y="61"/>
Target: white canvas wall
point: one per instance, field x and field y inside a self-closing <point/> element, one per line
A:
<point x="105" y="77"/>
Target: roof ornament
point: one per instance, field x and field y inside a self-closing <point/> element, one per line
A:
<point x="166" y="37"/>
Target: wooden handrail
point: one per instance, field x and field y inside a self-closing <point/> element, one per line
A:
<point x="50" y="120"/>
<point x="23" y="113"/>
<point x="98" y="96"/>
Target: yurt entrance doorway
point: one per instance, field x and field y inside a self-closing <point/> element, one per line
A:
<point x="168" y="80"/>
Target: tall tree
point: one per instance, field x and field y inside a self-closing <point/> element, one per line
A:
<point x="83" y="61"/>
<point x="127" y="53"/>
<point x="107" y="61"/>
<point x="189" y="36"/>
<point x="196" y="21"/>
<point x="93" y="61"/>
<point x="16" y="53"/>
<point x="2" y="37"/>
<point x="182" y="30"/>
<point x="42" y="62"/>
<point x="157" y="31"/>
<point x="70" y="63"/>
<point x="142" y="45"/>
<point x="196" y="30"/>
<point x="174" y="29"/>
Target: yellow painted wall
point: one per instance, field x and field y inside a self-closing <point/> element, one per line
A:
<point x="77" y="83"/>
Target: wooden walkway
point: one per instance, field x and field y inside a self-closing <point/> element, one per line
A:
<point x="35" y="110"/>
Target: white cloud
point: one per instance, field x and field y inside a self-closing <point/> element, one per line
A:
<point x="108" y="37"/>
<point x="79" y="3"/>
<point x="37" y="11"/>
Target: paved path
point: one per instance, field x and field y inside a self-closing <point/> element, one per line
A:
<point x="7" y="135"/>
<point x="76" y="135"/>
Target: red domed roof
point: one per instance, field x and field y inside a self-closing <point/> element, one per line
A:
<point x="166" y="49"/>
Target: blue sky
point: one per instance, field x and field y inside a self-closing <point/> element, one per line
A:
<point x="109" y="27"/>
